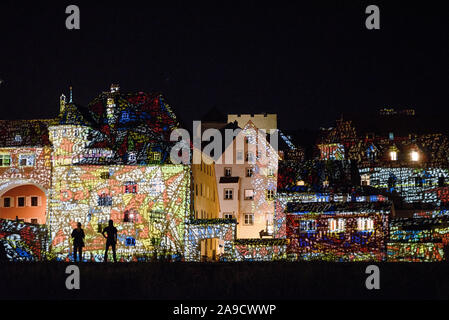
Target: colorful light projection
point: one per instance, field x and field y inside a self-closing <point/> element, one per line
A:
<point x="23" y="241"/>
<point x="136" y="126"/>
<point x="346" y="231"/>
<point x="333" y="151"/>
<point x="150" y="218"/>
<point x="260" y="249"/>
<point x="420" y="239"/>
<point x="35" y="167"/>
<point x="317" y="176"/>
<point x="412" y="184"/>
<point x="200" y="229"/>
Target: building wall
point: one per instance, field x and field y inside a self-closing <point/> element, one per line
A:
<point x="264" y="178"/>
<point x="23" y="241"/>
<point x="16" y="174"/>
<point x="28" y="211"/>
<point x="413" y="184"/>
<point x="156" y="200"/>
<point x="205" y="195"/>
<point x="69" y="143"/>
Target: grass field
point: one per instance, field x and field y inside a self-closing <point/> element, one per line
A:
<point x="273" y="281"/>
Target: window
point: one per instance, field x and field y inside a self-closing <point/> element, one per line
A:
<point x="249" y="172"/>
<point x="365" y="180"/>
<point x="365" y="224"/>
<point x="393" y="155"/>
<point x="414" y="155"/>
<point x="228" y="215"/>
<point x="249" y="157"/>
<point x="157" y="156"/>
<point x="104" y="200"/>
<point x="249" y="194"/>
<point x="34" y="201"/>
<point x="130" y="242"/>
<point x="6" y="202"/>
<point x="228" y="194"/>
<point x="307" y="226"/>
<point x="239" y="155"/>
<point x="105" y="175"/>
<point x="26" y="160"/>
<point x="270" y="172"/>
<point x="249" y="219"/>
<point x="130" y="216"/>
<point x="227" y="172"/>
<point x="21" y="201"/>
<point x="130" y="187"/>
<point x="337" y="225"/>
<point x="34" y="221"/>
<point x="18" y="138"/>
<point x="270" y="195"/>
<point x="5" y="160"/>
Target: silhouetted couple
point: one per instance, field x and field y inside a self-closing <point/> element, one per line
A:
<point x="111" y="241"/>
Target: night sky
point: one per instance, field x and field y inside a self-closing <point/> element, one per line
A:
<point x="308" y="63"/>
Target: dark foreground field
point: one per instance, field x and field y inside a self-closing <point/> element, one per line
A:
<point x="277" y="280"/>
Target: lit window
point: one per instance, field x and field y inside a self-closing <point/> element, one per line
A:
<point x="415" y="156"/>
<point x="393" y="155"/>
<point x="336" y="225"/>
<point x="249" y="194"/>
<point x="270" y="195"/>
<point x="300" y="182"/>
<point x="227" y="172"/>
<point x="249" y="219"/>
<point x="365" y="180"/>
<point x="365" y="224"/>
<point x="307" y="226"/>
<point x="228" y="194"/>
<point x="5" y="160"/>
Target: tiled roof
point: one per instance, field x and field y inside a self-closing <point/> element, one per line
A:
<point x="293" y="207"/>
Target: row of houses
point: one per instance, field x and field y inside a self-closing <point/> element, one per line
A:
<point x="354" y="198"/>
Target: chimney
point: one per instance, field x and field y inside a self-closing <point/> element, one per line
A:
<point x="115" y="88"/>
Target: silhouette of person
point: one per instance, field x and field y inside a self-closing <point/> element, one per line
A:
<point x="78" y="242"/>
<point x="111" y="240"/>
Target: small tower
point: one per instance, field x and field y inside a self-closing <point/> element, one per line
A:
<point x="62" y="103"/>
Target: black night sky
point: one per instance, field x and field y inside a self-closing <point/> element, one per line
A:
<point x="307" y="62"/>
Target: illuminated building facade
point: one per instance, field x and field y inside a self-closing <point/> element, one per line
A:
<point x="419" y="239"/>
<point x="25" y="170"/>
<point x="246" y="184"/>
